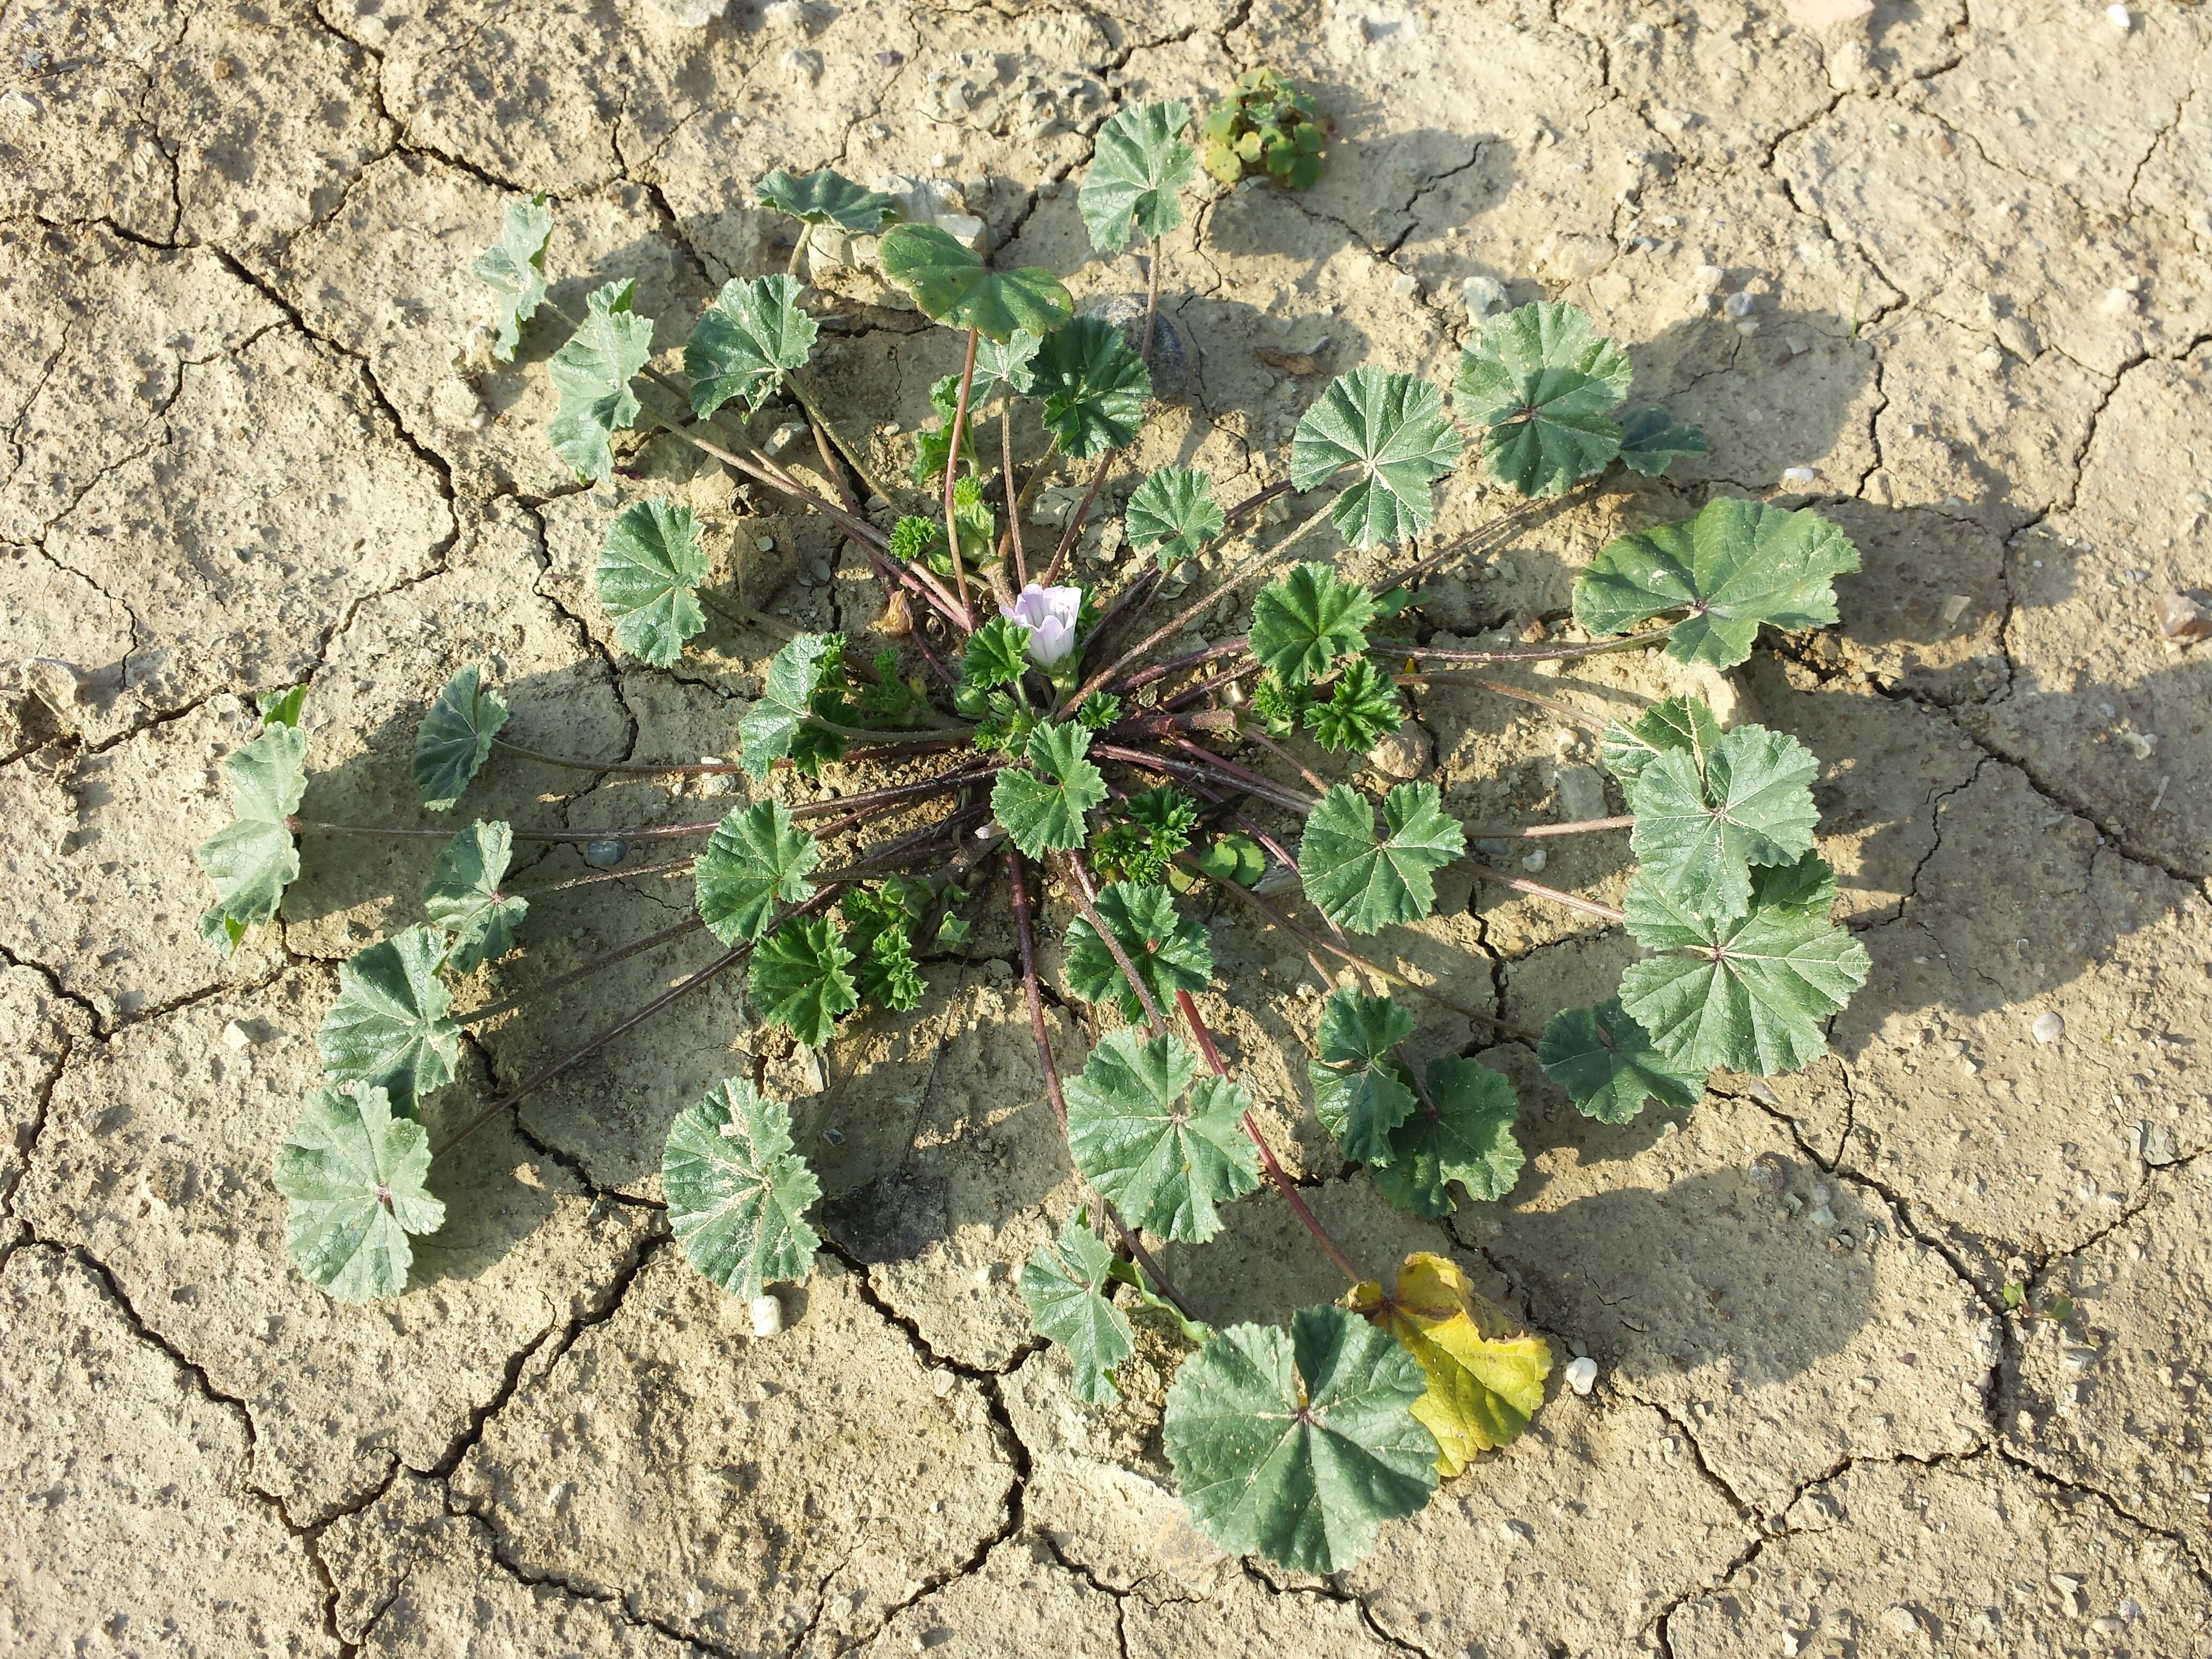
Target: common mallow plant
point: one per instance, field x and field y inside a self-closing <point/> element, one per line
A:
<point x="1061" y="747"/>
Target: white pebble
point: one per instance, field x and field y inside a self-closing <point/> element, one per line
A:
<point x="1534" y="862"/>
<point x="234" y="1037"/>
<point x="767" y="1314"/>
<point x="1482" y="296"/>
<point x="1796" y="475"/>
<point x="2048" y="1027"/>
<point x="1581" y="1375"/>
<point x="1740" y="305"/>
<point x="2118" y="17"/>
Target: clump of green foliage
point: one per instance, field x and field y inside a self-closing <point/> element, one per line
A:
<point x="1266" y="127"/>
<point x="1062" y="743"/>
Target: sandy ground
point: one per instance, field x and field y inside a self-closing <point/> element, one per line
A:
<point x="1958" y="268"/>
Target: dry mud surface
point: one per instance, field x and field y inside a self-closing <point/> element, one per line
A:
<point x="1946" y="274"/>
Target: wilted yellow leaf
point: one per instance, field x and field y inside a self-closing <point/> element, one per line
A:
<point x="1485" y="1379"/>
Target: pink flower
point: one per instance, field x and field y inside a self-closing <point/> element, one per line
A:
<point x="1050" y="614"/>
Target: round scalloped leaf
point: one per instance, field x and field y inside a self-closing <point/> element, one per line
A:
<point x="1361" y="1090"/>
<point x="646" y="578"/>
<point x="388" y="1027"/>
<point x="1172" y="515"/>
<point x="1008" y="366"/>
<point x="514" y="269"/>
<point x="951" y="284"/>
<point x="1703" y="818"/>
<point x="1486" y="1378"/>
<point x="1391" y="427"/>
<point x="1679" y="723"/>
<point x="746" y="342"/>
<point x="737" y="1193"/>
<point x="352" y="1174"/>
<point x="1463" y="1132"/>
<point x="1064" y="1284"/>
<point x="799" y="979"/>
<point x="254" y="858"/>
<point x="463" y="897"/>
<point x="1140" y="160"/>
<point x="1543" y="383"/>
<point x="1045" y="809"/>
<point x="1163" y="1148"/>
<point x="1734" y="566"/>
<point x="1093" y="385"/>
<point x="827" y="197"/>
<point x="757" y="859"/>
<point x="766" y="732"/>
<point x="1607" y="1063"/>
<point x="1651" y="441"/>
<point x="592" y="373"/>
<point x="1306" y="619"/>
<point x="1168" y="950"/>
<point x="1751" y="994"/>
<point x="1297" y="1445"/>
<point x="455" y="738"/>
<point x="1360" y="880"/>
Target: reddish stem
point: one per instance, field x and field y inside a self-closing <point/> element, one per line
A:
<point x="951" y="472"/>
<point x="1536" y="889"/>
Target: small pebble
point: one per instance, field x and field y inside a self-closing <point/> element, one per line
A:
<point x="1534" y="862"/>
<point x="2119" y="18"/>
<point x="604" y="855"/>
<point x="1581" y="1375"/>
<point x="1796" y="475"/>
<point x="2049" y="1027"/>
<point x="234" y="1037"/>
<point x="1740" y="305"/>
<point x="767" y="1316"/>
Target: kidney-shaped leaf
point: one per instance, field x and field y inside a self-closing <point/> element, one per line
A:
<point x="1463" y="1132"/>
<point x="1172" y="515"/>
<point x="1703" y="818"/>
<point x="646" y="578"/>
<point x="1734" y="566"/>
<point x="738" y="1195"/>
<point x="1161" y="1148"/>
<point x="757" y="859"/>
<point x="1306" y="619"/>
<point x="1362" y="880"/>
<point x="1682" y="723"/>
<point x="592" y="373"/>
<point x="764" y="735"/>
<point x="455" y="738"/>
<point x="1485" y="1379"/>
<point x="1543" y="383"/>
<point x="1360" y="1090"/>
<point x="1064" y="1286"/>
<point x="352" y="1176"/>
<point x="463" y="898"/>
<point x="1391" y="427"/>
<point x="1168" y="948"/>
<point x="1651" y="441"/>
<point x="1750" y="994"/>
<point x="951" y="284"/>
<point x="253" y="859"/>
<point x="514" y="268"/>
<point x="827" y="197"/>
<point x="1141" y="159"/>
<point x="746" y="342"/>
<point x="1606" y="1063"/>
<point x="1093" y="386"/>
<point x="799" y="979"/>
<point x="388" y="1026"/>
<point x="1045" y="808"/>
<point x="1299" y="1444"/>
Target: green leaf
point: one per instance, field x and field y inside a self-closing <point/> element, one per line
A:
<point x="1467" y="1137"/>
<point x="1362" y="881"/>
<point x="1161" y="1144"/>
<point x="352" y="1174"/>
<point x="1063" y="1284"/>
<point x="592" y="374"/>
<point x="797" y="979"/>
<point x="1231" y="858"/>
<point x="281" y="708"/>
<point x="1094" y="386"/>
<point x="744" y="343"/>
<point x="1679" y="723"/>
<point x="1363" y="708"/>
<point x="514" y="267"/>
<point x="455" y="738"/>
<point x="826" y="198"/>
<point x="1196" y="1332"/>
<point x="738" y="1195"/>
<point x="764" y="735"/>
<point x="1299" y="1445"/>
<point x="253" y="859"/>
<point x="1543" y="382"/>
<point x="646" y="575"/>
<point x="1172" y="515"/>
<point x="887" y="973"/>
<point x="1168" y="950"/>
<point x="1008" y="365"/>
<point x="463" y="898"/>
<point x="953" y="286"/>
<point x="932" y="444"/>
<point x="1045" y="808"/>
<point x="1734" y="566"/>
<point x="1700" y="827"/>
<point x="1750" y="994"/>
<point x="1360" y="1091"/>
<point x="1306" y="619"/>
<point x="1606" y="1064"/>
<point x="757" y="859"/>
<point x="388" y="1027"/>
<point x="1098" y="711"/>
<point x="1140" y="161"/>
<point x="1391" y="427"/>
<point x="1651" y="441"/>
<point x="997" y="655"/>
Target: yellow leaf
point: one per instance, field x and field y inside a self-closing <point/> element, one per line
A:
<point x="1485" y="1379"/>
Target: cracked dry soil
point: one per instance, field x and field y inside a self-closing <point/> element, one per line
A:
<point x="1974" y="257"/>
